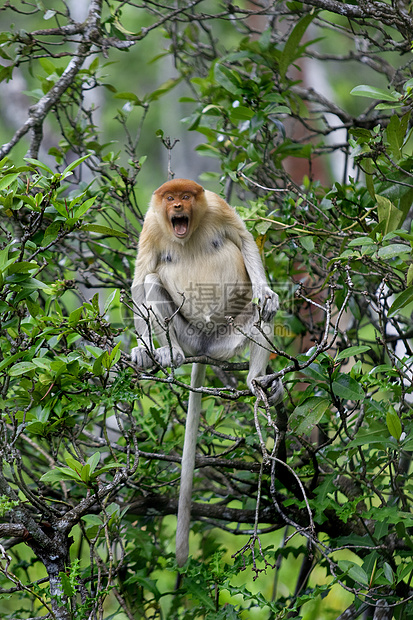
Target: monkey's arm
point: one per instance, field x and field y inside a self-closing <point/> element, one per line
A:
<point x="146" y="263"/>
<point x="265" y="296"/>
<point x="267" y="299"/>
<point x="268" y="302"/>
<point x="152" y="306"/>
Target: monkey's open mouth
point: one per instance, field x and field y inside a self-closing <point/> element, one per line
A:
<point x="180" y="224"/>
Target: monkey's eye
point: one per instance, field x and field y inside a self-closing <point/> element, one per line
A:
<point x="170" y="198"/>
<point x="186" y="197"/>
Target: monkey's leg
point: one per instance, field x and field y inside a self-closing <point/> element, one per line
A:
<point x="142" y="354"/>
<point x="259" y="358"/>
<point x="153" y="306"/>
<point x="188" y="464"/>
<point x="259" y="350"/>
<point x="168" y="324"/>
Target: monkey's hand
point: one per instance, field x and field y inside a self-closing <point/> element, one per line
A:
<point x="165" y="356"/>
<point x="267" y="301"/>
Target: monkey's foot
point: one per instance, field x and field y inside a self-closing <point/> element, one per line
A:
<point x="165" y="356"/>
<point x="276" y="391"/>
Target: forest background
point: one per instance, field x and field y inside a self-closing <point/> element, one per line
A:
<point x="299" y="114"/>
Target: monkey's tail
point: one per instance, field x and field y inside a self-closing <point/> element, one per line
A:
<point x="188" y="465"/>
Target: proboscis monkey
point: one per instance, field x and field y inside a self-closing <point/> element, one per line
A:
<point x="197" y="265"/>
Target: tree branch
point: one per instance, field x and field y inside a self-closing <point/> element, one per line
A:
<point x="367" y="10"/>
<point x="8" y="530"/>
<point x="39" y="111"/>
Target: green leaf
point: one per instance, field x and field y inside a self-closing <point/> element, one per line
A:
<point x="92" y="520"/>
<point x="23" y="267"/>
<point x="51" y="233"/>
<point x="392" y="250"/>
<point x="388" y="572"/>
<point x="409" y="276"/>
<point x="199" y="594"/>
<point x="113" y="357"/>
<point x="315" y="371"/>
<point x="367" y="436"/>
<point x="98" y="363"/>
<point x="108" y="467"/>
<point x="208" y="150"/>
<point x="228" y="79"/>
<point x="389" y="106"/>
<point x="369" y="169"/>
<point x="308" y="414"/>
<point x="81" y="210"/>
<point x="388" y="213"/>
<point x="354" y="571"/>
<point x="38" y="164"/>
<point x="241" y="113"/>
<point x="74" y="317"/>
<point x="148" y="584"/>
<point x="93" y="461"/>
<point x="42" y="362"/>
<point x="5" y="265"/>
<point x="392" y="514"/>
<point x="85" y="473"/>
<point x="113" y="297"/>
<point x="33" y="284"/>
<point x="393" y="423"/>
<point x="47" y="65"/>
<point x="6" y="73"/>
<point x="361" y="241"/>
<point x="364" y="90"/>
<point x="291" y="48"/>
<point x="32" y="307"/>
<point x="61" y="208"/>
<point x="60" y="473"/>
<point x="103" y="230"/>
<point x="352" y="351"/>
<point x="68" y="589"/>
<point x="358" y="574"/>
<point x="5" y="261"/>
<point x="307" y="243"/>
<point x="21" y="369"/>
<point x="396" y="133"/>
<point x="9" y="360"/>
<point x="162" y="90"/>
<point x="36" y="428"/>
<point x="7" y="180"/>
<point x="129" y="97"/>
<point x="67" y="171"/>
<point x="346" y="387"/>
<point x="402" y="299"/>
<point x="74" y="464"/>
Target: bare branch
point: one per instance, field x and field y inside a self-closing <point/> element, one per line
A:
<point x="39" y="111"/>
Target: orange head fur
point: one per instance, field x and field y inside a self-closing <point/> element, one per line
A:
<point x="181" y="203"/>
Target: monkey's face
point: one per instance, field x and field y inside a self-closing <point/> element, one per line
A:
<point x="182" y="204"/>
<point x="179" y="212"/>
